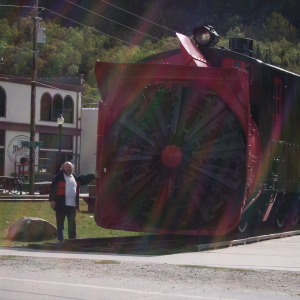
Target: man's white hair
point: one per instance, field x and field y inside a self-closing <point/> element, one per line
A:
<point x="67" y="162"/>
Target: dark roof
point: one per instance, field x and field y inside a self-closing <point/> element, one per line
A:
<point x="64" y="82"/>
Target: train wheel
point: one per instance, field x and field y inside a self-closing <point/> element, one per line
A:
<point x="295" y="220"/>
<point x="280" y="220"/>
<point x="279" y="213"/>
<point x="293" y="211"/>
<point x="243" y="226"/>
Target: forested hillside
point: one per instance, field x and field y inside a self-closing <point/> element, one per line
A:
<point x="78" y="32"/>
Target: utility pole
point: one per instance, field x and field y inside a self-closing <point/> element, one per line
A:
<point x="33" y="96"/>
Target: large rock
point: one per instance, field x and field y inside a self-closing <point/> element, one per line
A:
<point x="28" y="229"/>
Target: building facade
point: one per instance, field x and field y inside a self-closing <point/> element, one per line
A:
<point x="55" y="96"/>
<point x="88" y="140"/>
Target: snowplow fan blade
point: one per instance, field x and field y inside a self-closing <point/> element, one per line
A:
<point x="172" y="148"/>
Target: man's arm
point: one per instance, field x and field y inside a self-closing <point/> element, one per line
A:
<point x="52" y="193"/>
<point x="86" y="179"/>
<point x="52" y="204"/>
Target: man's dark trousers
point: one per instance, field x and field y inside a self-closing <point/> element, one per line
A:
<point x="70" y="212"/>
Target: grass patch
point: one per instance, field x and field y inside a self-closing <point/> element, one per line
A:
<point x="10" y="212"/>
<point x="8" y="257"/>
<point x="107" y="262"/>
<point x="219" y="268"/>
<point x="164" y="251"/>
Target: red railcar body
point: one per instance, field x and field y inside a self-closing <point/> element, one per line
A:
<point x="177" y="148"/>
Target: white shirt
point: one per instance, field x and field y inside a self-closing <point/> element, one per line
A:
<point x="70" y="195"/>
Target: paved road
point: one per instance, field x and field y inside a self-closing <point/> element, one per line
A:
<point x="42" y="283"/>
<point x="278" y="254"/>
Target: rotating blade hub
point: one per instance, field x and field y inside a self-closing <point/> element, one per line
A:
<point x="171" y="156"/>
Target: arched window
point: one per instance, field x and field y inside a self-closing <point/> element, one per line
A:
<point x="46" y="107"/>
<point x="68" y="109"/>
<point x="2" y="102"/>
<point x="56" y="107"/>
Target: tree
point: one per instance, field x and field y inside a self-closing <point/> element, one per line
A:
<point x="236" y="32"/>
<point x="277" y="28"/>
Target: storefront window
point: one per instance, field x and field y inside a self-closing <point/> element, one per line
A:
<point x="52" y="141"/>
<point x="46" y="107"/>
<point x="1" y="137"/>
<point x="2" y="102"/>
<point x="68" y="109"/>
<point x="56" y="107"/>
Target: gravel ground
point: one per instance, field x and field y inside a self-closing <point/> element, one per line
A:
<point x="273" y="282"/>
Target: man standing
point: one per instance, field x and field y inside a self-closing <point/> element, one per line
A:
<point x="64" y="198"/>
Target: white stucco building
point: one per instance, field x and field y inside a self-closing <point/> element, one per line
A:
<point x="54" y="96"/>
<point x="88" y="140"/>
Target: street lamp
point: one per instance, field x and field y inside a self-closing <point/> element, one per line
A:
<point x="60" y="122"/>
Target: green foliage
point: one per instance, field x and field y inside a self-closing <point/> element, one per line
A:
<point x="277" y="28"/>
<point x="130" y="54"/>
<point x="279" y="45"/>
<point x="91" y="96"/>
<point x="6" y="32"/>
<point x="73" y="50"/>
<point x="235" y="32"/>
<point x="258" y="50"/>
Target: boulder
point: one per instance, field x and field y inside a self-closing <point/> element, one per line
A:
<point x="28" y="229"/>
